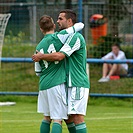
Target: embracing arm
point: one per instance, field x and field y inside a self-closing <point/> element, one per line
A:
<point x="76" y="27"/>
<point x="57" y="56"/>
<point x="64" y="34"/>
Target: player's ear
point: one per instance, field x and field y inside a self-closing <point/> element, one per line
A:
<point x="54" y="26"/>
<point x="69" y="21"/>
<point x="41" y="30"/>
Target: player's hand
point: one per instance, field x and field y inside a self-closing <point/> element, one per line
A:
<point x="37" y="57"/>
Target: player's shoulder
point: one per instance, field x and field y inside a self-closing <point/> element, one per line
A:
<point x="45" y="41"/>
<point x="55" y="35"/>
<point x="78" y="34"/>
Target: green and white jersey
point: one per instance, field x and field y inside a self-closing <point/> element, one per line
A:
<point x="53" y="73"/>
<point x="75" y="50"/>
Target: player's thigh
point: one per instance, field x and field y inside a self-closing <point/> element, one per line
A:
<point x="57" y="100"/>
<point x="77" y="100"/>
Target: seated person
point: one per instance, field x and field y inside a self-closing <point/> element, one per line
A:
<point x="113" y="69"/>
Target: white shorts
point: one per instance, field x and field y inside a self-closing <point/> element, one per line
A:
<point x="123" y="70"/>
<point x="52" y="102"/>
<point x="77" y="100"/>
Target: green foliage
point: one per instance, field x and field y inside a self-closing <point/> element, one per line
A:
<point x="116" y="10"/>
<point x="18" y="50"/>
<point x="128" y="49"/>
<point x="13" y="39"/>
<point x="103" y="46"/>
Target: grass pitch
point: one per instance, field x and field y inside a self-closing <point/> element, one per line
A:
<point x="103" y="116"/>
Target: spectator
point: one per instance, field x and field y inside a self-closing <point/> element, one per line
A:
<point x="113" y="69"/>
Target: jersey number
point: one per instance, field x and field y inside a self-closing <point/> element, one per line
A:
<point x="51" y="49"/>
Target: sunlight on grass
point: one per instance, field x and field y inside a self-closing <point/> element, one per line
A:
<point x="23" y="117"/>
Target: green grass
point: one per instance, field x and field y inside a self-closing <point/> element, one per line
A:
<point x="21" y="76"/>
<point x="103" y="116"/>
<point x="18" y="50"/>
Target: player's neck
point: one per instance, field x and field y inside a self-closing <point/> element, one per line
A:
<point x="50" y="32"/>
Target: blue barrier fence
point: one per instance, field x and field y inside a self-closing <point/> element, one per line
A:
<point x="91" y="94"/>
<point x="89" y="60"/>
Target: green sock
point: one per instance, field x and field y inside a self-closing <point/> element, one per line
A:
<point x="81" y="128"/>
<point x="56" y="128"/>
<point x="45" y="127"/>
<point x="71" y="127"/>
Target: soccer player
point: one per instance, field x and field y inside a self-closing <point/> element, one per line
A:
<point x="52" y="91"/>
<point x="74" y="51"/>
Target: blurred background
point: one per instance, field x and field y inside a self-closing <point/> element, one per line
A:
<point x="106" y="22"/>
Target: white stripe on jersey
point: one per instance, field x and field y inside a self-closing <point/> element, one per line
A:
<point x="70" y="81"/>
<point x="67" y="49"/>
<point x="63" y="38"/>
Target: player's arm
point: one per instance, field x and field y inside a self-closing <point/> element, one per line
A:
<point x="57" y="56"/>
<point x="77" y="27"/>
<point x="64" y="34"/>
<point x="68" y="48"/>
<point x="72" y="44"/>
<point x="38" y="69"/>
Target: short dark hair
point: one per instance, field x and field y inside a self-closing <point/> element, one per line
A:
<point x="70" y="14"/>
<point x="116" y="44"/>
<point x="46" y="23"/>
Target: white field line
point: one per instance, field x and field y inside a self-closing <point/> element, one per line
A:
<point x="7" y="103"/>
<point x="102" y="118"/>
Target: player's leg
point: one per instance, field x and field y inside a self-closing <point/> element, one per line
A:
<point x="80" y="124"/>
<point x="43" y="107"/>
<point x="70" y="125"/>
<point x="57" y="126"/>
<point x="58" y="106"/>
<point x="45" y="125"/>
<point x="114" y="70"/>
<point x="77" y="105"/>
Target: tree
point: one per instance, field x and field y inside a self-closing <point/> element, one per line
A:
<point x="116" y="11"/>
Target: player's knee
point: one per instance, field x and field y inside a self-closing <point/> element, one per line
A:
<point x="77" y="118"/>
<point x="69" y="120"/>
<point x="47" y="118"/>
<point x="58" y="121"/>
